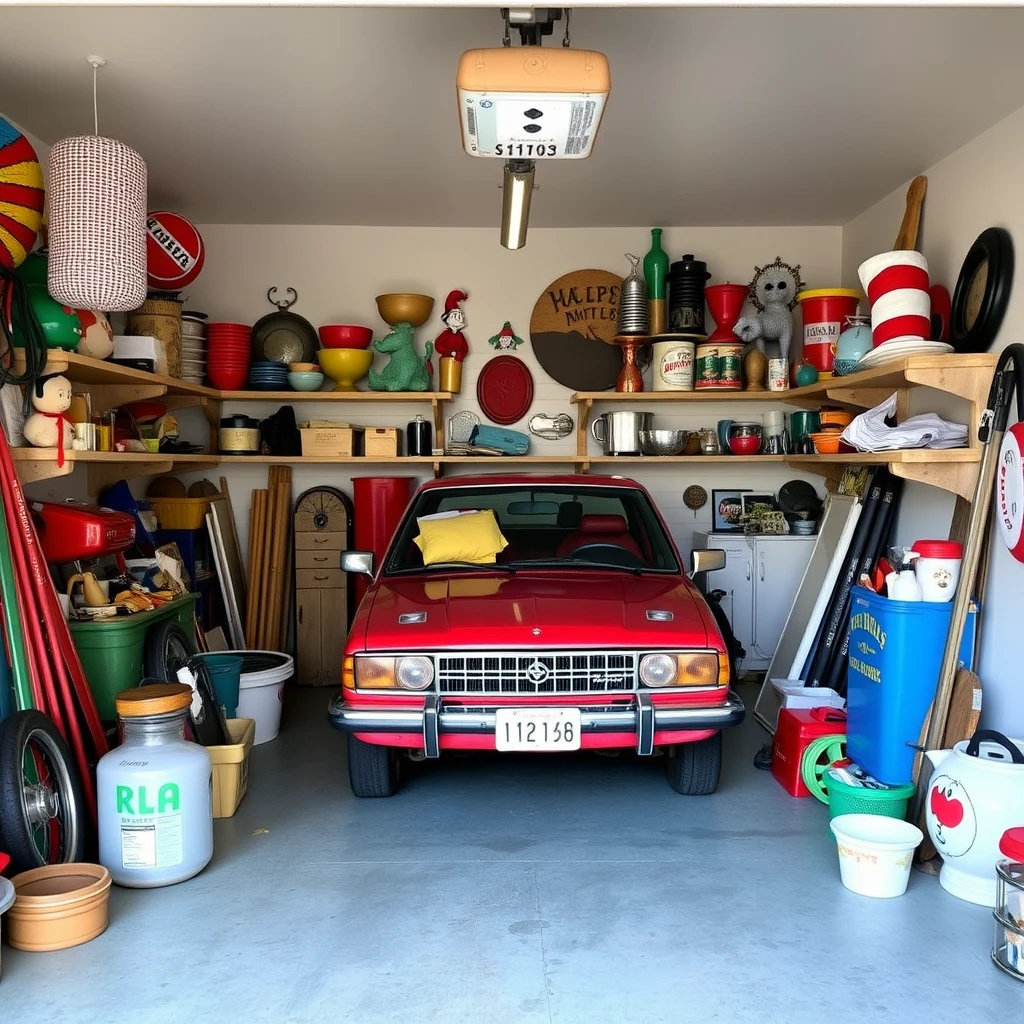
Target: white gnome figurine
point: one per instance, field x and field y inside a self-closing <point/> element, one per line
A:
<point x="48" y="427"/>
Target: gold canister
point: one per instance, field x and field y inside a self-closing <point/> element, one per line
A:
<point x="450" y="375"/>
<point x="160" y="319"/>
<point x="657" y="308"/>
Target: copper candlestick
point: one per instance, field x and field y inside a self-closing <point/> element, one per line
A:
<point x="630" y="378"/>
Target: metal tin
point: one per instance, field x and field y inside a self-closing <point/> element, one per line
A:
<point x="239" y="435"/>
<point x="673" y="361"/>
<point x="719" y="367"/>
<point x="778" y="375"/>
<point x="634" y="314"/>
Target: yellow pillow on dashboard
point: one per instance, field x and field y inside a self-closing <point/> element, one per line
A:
<point x="468" y="537"/>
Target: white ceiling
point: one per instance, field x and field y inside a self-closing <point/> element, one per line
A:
<point x="347" y="116"/>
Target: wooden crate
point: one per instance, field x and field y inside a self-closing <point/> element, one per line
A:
<point x="341" y="442"/>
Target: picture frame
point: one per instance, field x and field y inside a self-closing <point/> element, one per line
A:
<point x="749" y="499"/>
<point x="726" y="509"/>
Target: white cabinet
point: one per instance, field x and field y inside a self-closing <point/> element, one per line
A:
<point x="760" y="579"/>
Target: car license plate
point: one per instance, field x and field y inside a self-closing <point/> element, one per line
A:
<point x="537" y="729"/>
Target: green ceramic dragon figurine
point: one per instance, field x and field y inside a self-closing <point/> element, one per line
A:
<point x="406" y="370"/>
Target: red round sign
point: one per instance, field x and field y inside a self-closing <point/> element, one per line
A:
<point x="1010" y="491"/>
<point x="174" y="251"/>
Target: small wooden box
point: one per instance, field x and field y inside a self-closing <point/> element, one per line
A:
<point x="341" y="442"/>
<point x="383" y="442"/>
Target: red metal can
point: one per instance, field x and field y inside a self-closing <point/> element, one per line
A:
<point x="824" y="313"/>
<point x="793" y="734"/>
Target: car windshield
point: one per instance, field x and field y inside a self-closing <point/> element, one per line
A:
<point x="554" y="526"/>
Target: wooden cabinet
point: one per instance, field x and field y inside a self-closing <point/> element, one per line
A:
<point x="321" y="589"/>
<point x="761" y="577"/>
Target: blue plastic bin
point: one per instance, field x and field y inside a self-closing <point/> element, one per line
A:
<point x="895" y="655"/>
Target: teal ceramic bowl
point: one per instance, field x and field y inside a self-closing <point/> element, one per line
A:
<point x="306" y="380"/>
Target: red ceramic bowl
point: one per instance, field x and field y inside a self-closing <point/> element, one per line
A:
<point x="345" y="336"/>
<point x="219" y="325"/>
<point x="746" y="444"/>
<point x="227" y="379"/>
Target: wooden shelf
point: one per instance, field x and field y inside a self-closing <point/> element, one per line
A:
<point x="580" y="397"/>
<point x="334" y="396"/>
<point x="105" y="468"/>
<point x="654" y="460"/>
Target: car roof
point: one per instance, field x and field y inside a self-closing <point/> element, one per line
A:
<point x="575" y="480"/>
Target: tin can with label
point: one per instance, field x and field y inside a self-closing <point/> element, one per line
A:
<point x="673" y="359"/>
<point x="778" y="375"/>
<point x="719" y="367"/>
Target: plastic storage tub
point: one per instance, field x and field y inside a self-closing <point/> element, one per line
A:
<point x="231" y="767"/>
<point x="895" y="655"/>
<point x="261" y="690"/>
<point x="875" y="853"/>
<point x="112" y="649"/>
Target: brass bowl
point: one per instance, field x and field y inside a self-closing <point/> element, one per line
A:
<point x="405" y="308"/>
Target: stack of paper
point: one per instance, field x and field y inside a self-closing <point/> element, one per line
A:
<point x="869" y="432"/>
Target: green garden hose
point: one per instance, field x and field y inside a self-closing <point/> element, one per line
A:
<point x="819" y="755"/>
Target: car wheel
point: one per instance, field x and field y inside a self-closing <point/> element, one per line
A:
<point x="372" y="769"/>
<point x="43" y="813"/>
<point x="167" y="648"/>
<point x="693" y="769"/>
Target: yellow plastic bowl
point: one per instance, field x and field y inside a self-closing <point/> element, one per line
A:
<point x="346" y="365"/>
<point x="405" y="308"/>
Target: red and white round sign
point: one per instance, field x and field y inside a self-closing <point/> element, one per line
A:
<point x="174" y="251"/>
<point x="1010" y="491"/>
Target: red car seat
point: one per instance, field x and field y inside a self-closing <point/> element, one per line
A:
<point x="599" y="529"/>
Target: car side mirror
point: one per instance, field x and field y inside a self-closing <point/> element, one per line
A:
<point x="706" y="560"/>
<point x="357" y="561"/>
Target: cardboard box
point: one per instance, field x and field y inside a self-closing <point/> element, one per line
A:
<point x="339" y="441"/>
<point x="383" y="442"/>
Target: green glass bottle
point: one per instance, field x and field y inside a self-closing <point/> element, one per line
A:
<point x="656" y="275"/>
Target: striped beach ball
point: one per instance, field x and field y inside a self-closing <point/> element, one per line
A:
<point x="174" y="251"/>
<point x="21" y="196"/>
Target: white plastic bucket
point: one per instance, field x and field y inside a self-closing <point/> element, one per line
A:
<point x="261" y="690"/>
<point x="875" y="853"/>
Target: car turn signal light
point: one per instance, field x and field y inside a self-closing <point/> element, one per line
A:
<point x="683" y="668"/>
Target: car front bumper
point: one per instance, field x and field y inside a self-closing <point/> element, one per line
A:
<point x="642" y="718"/>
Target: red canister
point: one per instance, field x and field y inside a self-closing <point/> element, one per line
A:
<point x="824" y="312"/>
<point x="793" y="734"/>
<point x="380" y="502"/>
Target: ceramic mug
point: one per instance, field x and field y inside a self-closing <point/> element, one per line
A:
<point x="723" y="435"/>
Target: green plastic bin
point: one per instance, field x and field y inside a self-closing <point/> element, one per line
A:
<point x="890" y="802"/>
<point x="111" y="649"/>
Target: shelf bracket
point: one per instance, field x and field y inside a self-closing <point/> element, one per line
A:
<point x="584" y="408"/>
<point x="435" y="405"/>
<point x="959" y="478"/>
<point x="35" y="470"/>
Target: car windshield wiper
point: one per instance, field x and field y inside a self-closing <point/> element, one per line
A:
<point x="441" y="566"/>
<point x="575" y="563"/>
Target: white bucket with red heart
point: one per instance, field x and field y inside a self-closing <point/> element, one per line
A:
<point x="975" y="794"/>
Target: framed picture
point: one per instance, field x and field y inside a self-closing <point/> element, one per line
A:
<point x="750" y="499"/>
<point x="726" y="509"/>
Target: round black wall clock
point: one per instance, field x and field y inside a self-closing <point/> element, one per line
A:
<point x="982" y="292"/>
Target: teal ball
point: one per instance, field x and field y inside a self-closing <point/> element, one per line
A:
<point x="806" y="374"/>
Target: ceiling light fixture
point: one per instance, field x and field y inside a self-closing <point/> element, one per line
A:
<point x="530" y="103"/>
<point x="97" y="231"/>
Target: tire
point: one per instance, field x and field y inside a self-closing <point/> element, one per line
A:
<point x="42" y="821"/>
<point x="373" y="771"/>
<point x="693" y="769"/>
<point x="167" y="648"/>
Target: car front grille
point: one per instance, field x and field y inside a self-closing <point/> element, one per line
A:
<point x="530" y="673"/>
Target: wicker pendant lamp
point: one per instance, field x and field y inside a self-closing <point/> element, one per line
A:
<point x="97" y="194"/>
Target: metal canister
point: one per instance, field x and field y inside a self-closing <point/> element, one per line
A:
<point x="419" y="437"/>
<point x="239" y="435"/>
<point x="634" y="313"/>
<point x="673" y="359"/>
<point x="160" y="319"/>
<point x="719" y="366"/>
<point x="778" y="375"/>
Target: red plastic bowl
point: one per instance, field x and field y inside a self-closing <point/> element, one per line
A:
<point x="225" y="379"/>
<point x="345" y="336"/>
<point x="746" y="444"/>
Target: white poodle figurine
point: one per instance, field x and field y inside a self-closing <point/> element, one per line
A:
<point x="48" y="427"/>
<point x="773" y="292"/>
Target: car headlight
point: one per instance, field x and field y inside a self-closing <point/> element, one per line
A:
<point x="412" y="672"/>
<point x="683" y="668"/>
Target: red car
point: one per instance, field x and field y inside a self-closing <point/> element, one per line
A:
<point x="585" y="633"/>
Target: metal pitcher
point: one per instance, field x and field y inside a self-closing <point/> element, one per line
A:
<point x="619" y="432"/>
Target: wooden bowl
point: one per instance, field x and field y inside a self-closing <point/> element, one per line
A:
<point x="405" y="308"/>
<point x="304" y="367"/>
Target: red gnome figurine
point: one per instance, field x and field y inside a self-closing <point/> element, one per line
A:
<point x="451" y="345"/>
<point x="450" y="342"/>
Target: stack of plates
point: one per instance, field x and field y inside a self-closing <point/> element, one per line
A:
<point x="268" y="376"/>
<point x="193" y="359"/>
<point x="899" y="347"/>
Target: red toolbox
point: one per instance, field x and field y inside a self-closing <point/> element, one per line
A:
<point x="796" y="728"/>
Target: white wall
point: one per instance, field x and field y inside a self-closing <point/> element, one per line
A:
<point x="337" y="271"/>
<point x="974" y="188"/>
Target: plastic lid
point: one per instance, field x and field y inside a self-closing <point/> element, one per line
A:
<point x="155" y="699"/>
<point x="828" y="293"/>
<point x="1012" y="844"/>
<point x="938" y="548"/>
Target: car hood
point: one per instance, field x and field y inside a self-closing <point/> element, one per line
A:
<point x="595" y="609"/>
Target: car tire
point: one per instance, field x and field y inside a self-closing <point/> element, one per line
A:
<point x="21" y="829"/>
<point x="167" y="648"/>
<point x="693" y="769"/>
<point x="372" y="770"/>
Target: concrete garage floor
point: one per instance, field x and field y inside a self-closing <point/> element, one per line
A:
<point x="504" y="890"/>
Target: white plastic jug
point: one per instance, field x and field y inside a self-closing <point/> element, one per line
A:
<point x="976" y="793"/>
